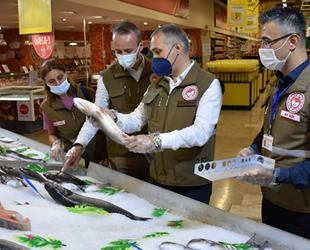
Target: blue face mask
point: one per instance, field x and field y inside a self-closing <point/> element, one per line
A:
<point x="61" y="89"/>
<point x="161" y="66"/>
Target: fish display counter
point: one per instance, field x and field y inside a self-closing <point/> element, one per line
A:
<point x="124" y="213"/>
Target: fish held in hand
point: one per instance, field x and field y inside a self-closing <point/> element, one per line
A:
<point x="70" y="199"/>
<point x="104" y="121"/>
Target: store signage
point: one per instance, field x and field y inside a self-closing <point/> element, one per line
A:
<point x="43" y="44"/>
<point x="25" y="111"/>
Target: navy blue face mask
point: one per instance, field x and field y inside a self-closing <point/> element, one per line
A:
<point x="161" y="66"/>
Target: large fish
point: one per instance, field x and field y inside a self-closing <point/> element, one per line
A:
<point x="105" y="122"/>
<point x="9" y="245"/>
<point x="167" y="245"/>
<point x="63" y="177"/>
<point x="69" y="199"/>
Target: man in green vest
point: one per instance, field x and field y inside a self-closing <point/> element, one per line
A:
<point x="285" y="135"/>
<point x="181" y="109"/>
<point x="121" y="88"/>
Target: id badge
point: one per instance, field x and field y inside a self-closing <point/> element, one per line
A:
<point x="267" y="142"/>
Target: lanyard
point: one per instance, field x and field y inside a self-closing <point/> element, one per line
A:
<point x="275" y="102"/>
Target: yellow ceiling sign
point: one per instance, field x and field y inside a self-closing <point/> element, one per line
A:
<point x="236" y="13"/>
<point x="35" y="16"/>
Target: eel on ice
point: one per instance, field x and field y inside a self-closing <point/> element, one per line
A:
<point x="69" y="199"/>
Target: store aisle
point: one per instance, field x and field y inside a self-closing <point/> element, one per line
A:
<point x="236" y="129"/>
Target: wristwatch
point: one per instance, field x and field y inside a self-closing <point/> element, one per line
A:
<point x="157" y="142"/>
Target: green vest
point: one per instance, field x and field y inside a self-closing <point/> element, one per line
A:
<point x="291" y="144"/>
<point x="125" y="95"/>
<point x="168" y="112"/>
<point x="74" y="120"/>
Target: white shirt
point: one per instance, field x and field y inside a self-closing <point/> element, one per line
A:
<point x="198" y="134"/>
<point x="88" y="131"/>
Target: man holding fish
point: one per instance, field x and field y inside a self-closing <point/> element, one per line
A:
<point x="181" y="109"/>
<point x="121" y="88"/>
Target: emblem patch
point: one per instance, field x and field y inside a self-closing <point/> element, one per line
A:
<point x="295" y="102"/>
<point x="190" y="92"/>
<point x="56" y="124"/>
<point x="153" y="77"/>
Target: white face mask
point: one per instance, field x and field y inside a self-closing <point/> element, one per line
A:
<point x="127" y="61"/>
<point x="60" y="89"/>
<point x="269" y="59"/>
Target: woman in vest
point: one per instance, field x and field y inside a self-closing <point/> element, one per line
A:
<point x="62" y="119"/>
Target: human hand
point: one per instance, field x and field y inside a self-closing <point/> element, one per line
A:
<point x="140" y="144"/>
<point x="245" y="152"/>
<point x="73" y="157"/>
<point x="57" y="150"/>
<point x="262" y="177"/>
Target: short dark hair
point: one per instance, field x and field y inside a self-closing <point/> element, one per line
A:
<point x="288" y="20"/>
<point x="125" y="27"/>
<point x="173" y="34"/>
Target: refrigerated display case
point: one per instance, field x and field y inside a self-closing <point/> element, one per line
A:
<point x="20" y="108"/>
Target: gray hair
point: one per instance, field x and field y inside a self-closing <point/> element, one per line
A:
<point x="125" y="27"/>
<point x="173" y="34"/>
<point x="288" y="20"/>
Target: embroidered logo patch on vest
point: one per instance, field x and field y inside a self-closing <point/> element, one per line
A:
<point x="56" y="124"/>
<point x="295" y="102"/>
<point x="153" y="77"/>
<point x="190" y="92"/>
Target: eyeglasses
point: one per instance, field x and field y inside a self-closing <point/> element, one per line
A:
<point x="266" y="43"/>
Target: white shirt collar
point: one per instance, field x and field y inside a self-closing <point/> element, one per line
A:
<point x="181" y="77"/>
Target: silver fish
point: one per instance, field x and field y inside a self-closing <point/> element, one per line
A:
<point x="32" y="174"/>
<point x="9" y="245"/>
<point x="167" y="245"/>
<point x="15" y="173"/>
<point x="105" y="122"/>
<point x="18" y="156"/>
<point x="203" y="244"/>
<point x="70" y="199"/>
<point x="11" y="144"/>
<point x="63" y="177"/>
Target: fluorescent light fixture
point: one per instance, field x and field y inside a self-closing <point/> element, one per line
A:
<point x="73" y="42"/>
<point x="284" y="1"/>
<point x="145" y="23"/>
<point x="2" y="41"/>
<point x="284" y="5"/>
<point x="90" y="22"/>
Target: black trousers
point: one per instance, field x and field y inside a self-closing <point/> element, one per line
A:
<point x="293" y="222"/>
<point x="200" y="193"/>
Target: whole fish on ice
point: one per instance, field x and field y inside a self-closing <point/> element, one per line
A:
<point x="63" y="177"/>
<point x="14" y="173"/>
<point x="32" y="174"/>
<point x="167" y="245"/>
<point x="9" y="245"/>
<point x="104" y="121"/>
<point x="70" y="199"/>
<point x="11" y="144"/>
<point x="18" y="156"/>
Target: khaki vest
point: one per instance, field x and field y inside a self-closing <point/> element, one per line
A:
<point x="291" y="145"/>
<point x="125" y="96"/>
<point x="74" y="120"/>
<point x="167" y="112"/>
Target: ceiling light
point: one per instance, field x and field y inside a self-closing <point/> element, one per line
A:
<point x="283" y="1"/>
<point x="28" y="40"/>
<point x="90" y="22"/>
<point x="73" y="42"/>
<point x="145" y="23"/>
<point x="64" y="19"/>
<point x="2" y="41"/>
<point x="284" y="5"/>
<point x="159" y="26"/>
